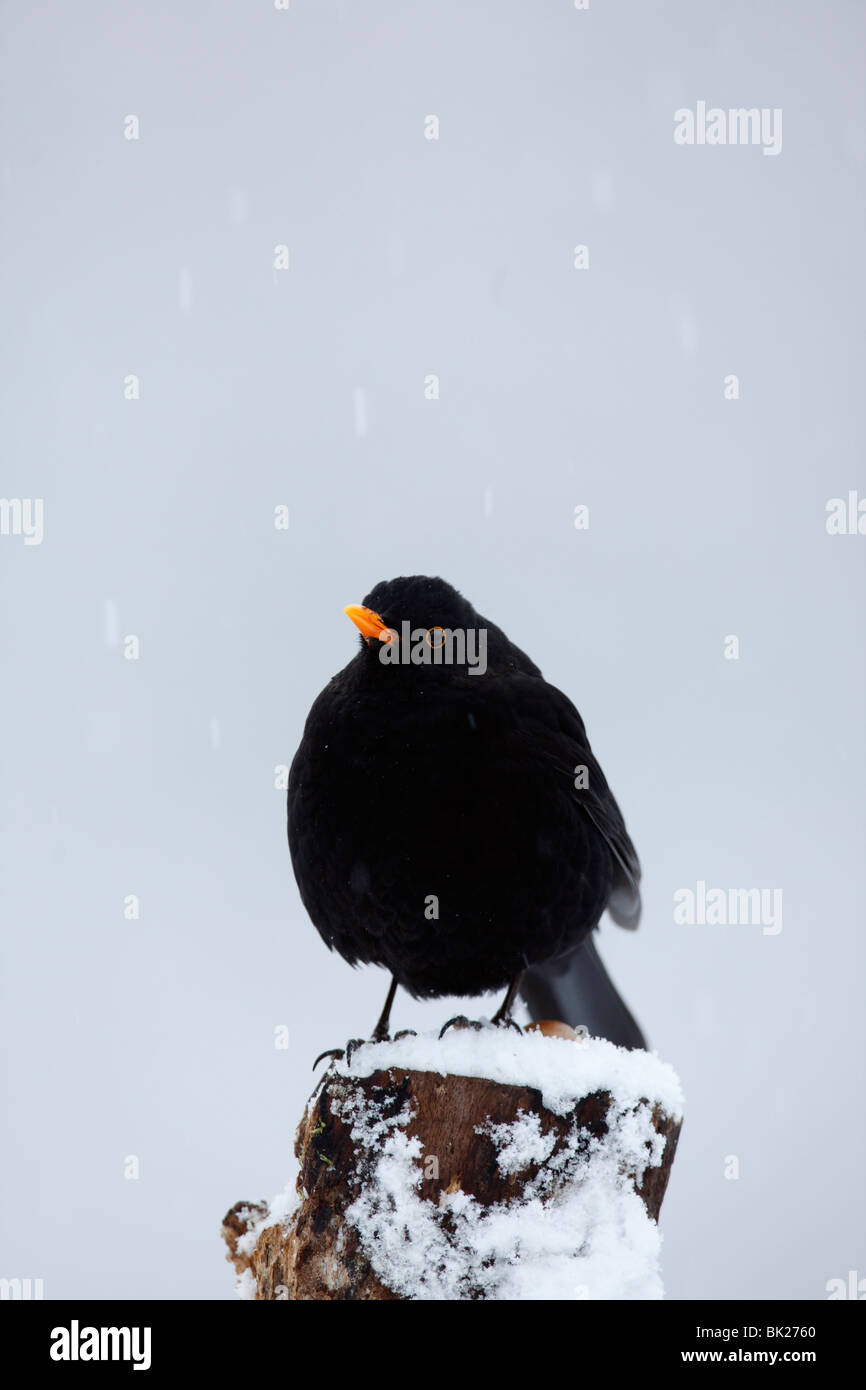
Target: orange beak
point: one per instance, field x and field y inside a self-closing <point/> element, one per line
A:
<point x="368" y="623"/>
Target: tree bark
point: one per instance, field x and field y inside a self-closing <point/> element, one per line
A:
<point x="320" y="1254"/>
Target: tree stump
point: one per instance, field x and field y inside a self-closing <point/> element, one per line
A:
<point x="423" y="1177"/>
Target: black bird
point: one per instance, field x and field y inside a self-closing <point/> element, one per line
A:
<point x="448" y="820"/>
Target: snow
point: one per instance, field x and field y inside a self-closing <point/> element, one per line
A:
<point x="279" y="1210"/>
<point x="562" y="1070"/>
<point x="578" y="1230"/>
<point x="521" y="1143"/>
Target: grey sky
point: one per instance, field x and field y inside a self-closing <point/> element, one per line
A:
<point x="558" y="387"/>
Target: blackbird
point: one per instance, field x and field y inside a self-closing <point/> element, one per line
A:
<point x="447" y="819"/>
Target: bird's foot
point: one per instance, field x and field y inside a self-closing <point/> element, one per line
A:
<point x="478" y="1025"/>
<point x="336" y="1053"/>
<point x="508" y="1023"/>
<point x="460" y="1021"/>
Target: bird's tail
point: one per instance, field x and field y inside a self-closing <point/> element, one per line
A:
<point x="577" y="989"/>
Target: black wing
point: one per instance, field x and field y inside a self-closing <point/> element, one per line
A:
<point x="598" y="803"/>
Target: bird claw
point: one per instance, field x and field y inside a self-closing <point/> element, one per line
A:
<point x="335" y="1052"/>
<point x="340" y="1052"/>
<point x="508" y="1023"/>
<point x="458" y="1021"/>
<point x="461" y="1021"/>
<point x="477" y="1026"/>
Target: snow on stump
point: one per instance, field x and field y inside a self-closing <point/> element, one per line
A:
<point x="482" y="1165"/>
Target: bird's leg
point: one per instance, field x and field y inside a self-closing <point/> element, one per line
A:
<point x="502" y="1018"/>
<point x="380" y="1032"/>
